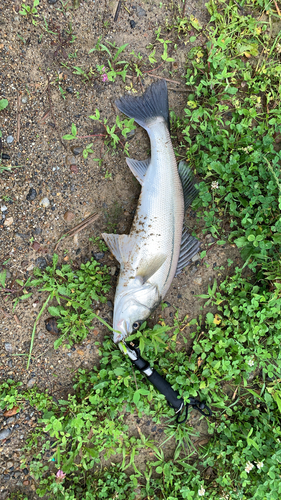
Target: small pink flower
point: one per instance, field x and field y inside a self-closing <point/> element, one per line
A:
<point x="104" y="77"/>
<point x="60" y="475"/>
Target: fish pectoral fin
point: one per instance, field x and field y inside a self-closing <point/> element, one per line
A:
<point x="138" y="168"/>
<point x="149" y="266"/>
<point x="189" y="248"/>
<point x="120" y="245"/>
<point x="189" y="191"/>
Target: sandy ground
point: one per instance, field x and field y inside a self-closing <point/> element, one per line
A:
<point x="33" y="62"/>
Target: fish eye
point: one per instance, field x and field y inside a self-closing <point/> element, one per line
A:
<point x="136" y="325"/>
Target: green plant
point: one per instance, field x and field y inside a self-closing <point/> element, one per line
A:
<point x="3" y="104"/>
<point x="232" y="118"/>
<point x="62" y="91"/>
<point x="108" y="175"/>
<point x="74" y="294"/>
<point x="81" y="72"/>
<point x="99" y="243"/>
<point x="111" y="135"/>
<point x="30" y="12"/>
<point x="9" y="394"/>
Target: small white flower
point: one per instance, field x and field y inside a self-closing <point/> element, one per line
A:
<point x="259" y="465"/>
<point x="214" y="185"/>
<point x="201" y="492"/>
<point x="249" y="467"/>
<point x="251" y="362"/>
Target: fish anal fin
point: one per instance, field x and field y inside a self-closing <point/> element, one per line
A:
<point x="149" y="266"/>
<point x="138" y="168"/>
<point x="189" y="190"/>
<point x="189" y="248"/>
<point x="120" y="245"/>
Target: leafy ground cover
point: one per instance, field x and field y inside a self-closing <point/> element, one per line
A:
<point x="232" y="126"/>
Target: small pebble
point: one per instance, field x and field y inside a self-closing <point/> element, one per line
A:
<point x="5" y="156"/>
<point x="68" y="216"/>
<point x="30" y="383"/>
<point x="197" y="281"/>
<point x="3" y="208"/>
<point x="109" y="303"/>
<point x="44" y="202"/>
<point x="69" y="90"/>
<point x="74" y="169"/>
<point x="10" y="420"/>
<point x="113" y="270"/>
<point x="31" y="194"/>
<point x="5" y="433"/>
<point x="37" y="230"/>
<point x="10" y="139"/>
<point x="41" y="263"/>
<point x="77" y="151"/>
<point x="132" y="23"/>
<point x="9" y="465"/>
<point x="195" y="257"/>
<point x="24" y="99"/>
<point x="36" y="246"/>
<point x="51" y="326"/>
<point x="8" y="347"/>
<point x="9" y="221"/>
<point x="98" y="255"/>
<point x="52" y="2"/>
<point x="140" y="11"/>
<point x="193" y="270"/>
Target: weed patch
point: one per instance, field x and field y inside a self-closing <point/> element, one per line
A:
<point x="74" y="293"/>
<point x="231" y="123"/>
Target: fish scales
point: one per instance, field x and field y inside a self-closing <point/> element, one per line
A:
<point x="149" y="255"/>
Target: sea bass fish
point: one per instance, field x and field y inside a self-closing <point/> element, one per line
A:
<point x="157" y="247"/>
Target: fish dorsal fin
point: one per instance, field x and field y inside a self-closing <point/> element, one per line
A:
<point x="138" y="168"/>
<point x="149" y="266"/>
<point x="189" y="191"/>
<point x="189" y="248"/>
<point x="120" y="245"/>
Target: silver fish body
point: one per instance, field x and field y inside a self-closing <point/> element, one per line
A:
<point x="149" y="255"/>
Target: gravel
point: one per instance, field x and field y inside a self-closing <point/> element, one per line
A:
<point x="5" y="433"/>
<point x="45" y="202"/>
<point x="41" y="263"/>
<point x="31" y="194"/>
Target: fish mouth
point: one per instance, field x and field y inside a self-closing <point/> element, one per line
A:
<point x="121" y="331"/>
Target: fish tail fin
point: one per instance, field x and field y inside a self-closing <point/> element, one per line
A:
<point x="144" y="109"/>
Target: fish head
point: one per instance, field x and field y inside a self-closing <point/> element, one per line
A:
<point x="133" y="306"/>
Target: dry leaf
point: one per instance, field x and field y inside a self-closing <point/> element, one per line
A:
<point x="11" y="412"/>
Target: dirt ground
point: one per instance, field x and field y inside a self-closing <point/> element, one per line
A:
<point x="32" y="126"/>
